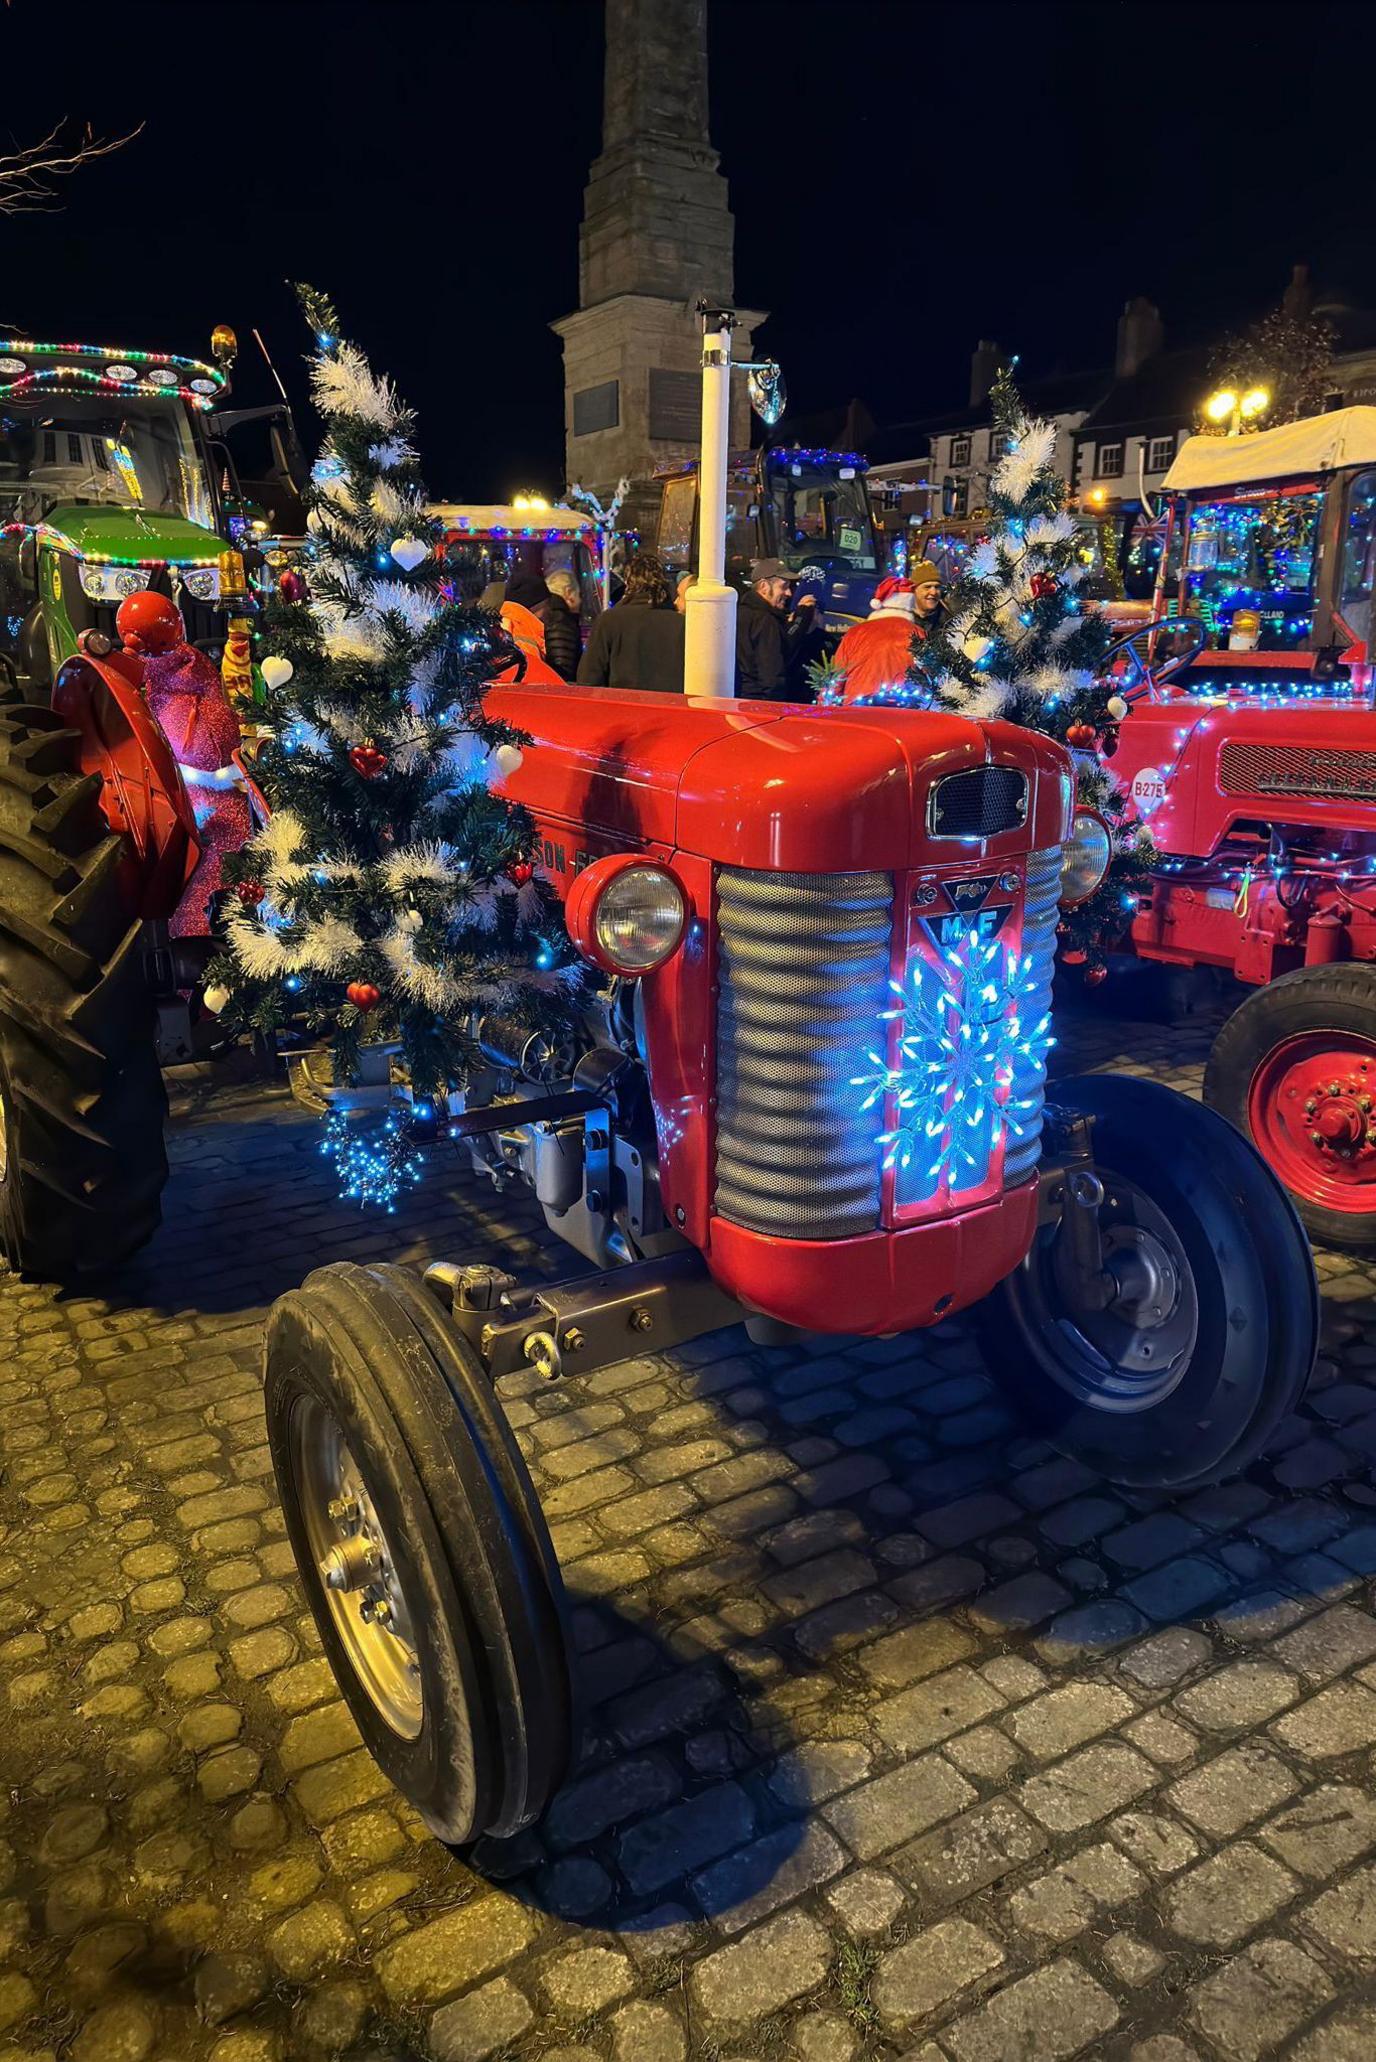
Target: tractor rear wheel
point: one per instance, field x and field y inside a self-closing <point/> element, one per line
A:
<point x="1294" y="1068"/>
<point x="422" y="1550"/>
<point x="82" y="1103"/>
<point x="1180" y="1374"/>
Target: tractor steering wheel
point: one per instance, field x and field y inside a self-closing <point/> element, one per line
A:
<point x="1149" y="677"/>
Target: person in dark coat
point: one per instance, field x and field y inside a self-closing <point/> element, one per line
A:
<point x="639" y="641"/>
<point x="770" y="641"/>
<point x="563" y="635"/>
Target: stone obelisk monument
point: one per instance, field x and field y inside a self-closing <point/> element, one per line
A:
<point x="657" y="236"/>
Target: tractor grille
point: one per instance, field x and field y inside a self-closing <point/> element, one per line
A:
<point x="1297" y="770"/>
<point x="804" y="973"/>
<point x="1041" y="913"/>
<point x="977" y="804"/>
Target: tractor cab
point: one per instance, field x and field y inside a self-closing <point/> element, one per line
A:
<point x="489" y="541"/>
<point x="108" y="485"/>
<point x="810" y="508"/>
<point x="1269" y="555"/>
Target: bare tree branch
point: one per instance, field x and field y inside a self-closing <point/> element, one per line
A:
<point x="27" y="176"/>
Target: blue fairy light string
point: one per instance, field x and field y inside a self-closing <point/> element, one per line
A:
<point x="373" y="1165"/>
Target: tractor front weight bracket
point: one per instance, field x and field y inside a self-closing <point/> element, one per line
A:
<point x="1069" y="1197"/>
<point x="580" y="1326"/>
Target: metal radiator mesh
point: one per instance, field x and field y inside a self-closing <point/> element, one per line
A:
<point x="804" y="972"/>
<point x="1041" y="913"/>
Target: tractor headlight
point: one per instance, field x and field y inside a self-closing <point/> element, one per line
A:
<point x="1086" y="856"/>
<point x="626" y="915"/>
<point x="202" y="583"/>
<point x="112" y="583"/>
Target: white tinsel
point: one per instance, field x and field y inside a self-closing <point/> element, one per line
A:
<point x="1043" y="530"/>
<point x="986" y="699"/>
<point x="393" y="451"/>
<point x="1046" y="680"/>
<point x="984" y="560"/>
<point x="417" y="606"/>
<point x="432" y="861"/>
<point x="260" y="951"/>
<point x="345" y="385"/>
<point x="327" y="945"/>
<point x="1030" y="453"/>
<point x="417" y="979"/>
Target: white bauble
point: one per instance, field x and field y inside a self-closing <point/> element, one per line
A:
<point x="276" y="673"/>
<point x="408" y="552"/>
<point x="508" y="759"/>
<point x="409" y="919"/>
<point x="1117" y="707"/>
<point x="215" y="999"/>
<point x="975" y="648"/>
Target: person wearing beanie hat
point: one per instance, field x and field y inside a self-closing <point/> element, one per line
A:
<point x="873" y="657"/>
<point x="927" y="596"/>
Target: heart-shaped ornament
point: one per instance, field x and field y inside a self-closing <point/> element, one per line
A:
<point x="276" y="673"/>
<point x="367" y="761"/>
<point x="363" y="995"/>
<point x="215" y="999"/>
<point x="408" y="552"/>
<point x="508" y="759"/>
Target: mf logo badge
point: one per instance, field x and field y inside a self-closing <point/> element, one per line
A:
<point x="980" y="902"/>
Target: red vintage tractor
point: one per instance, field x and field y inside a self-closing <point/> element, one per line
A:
<point x="808" y="1094"/>
<point x="1250" y="751"/>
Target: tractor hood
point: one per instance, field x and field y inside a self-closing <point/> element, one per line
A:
<point x="99" y="530"/>
<point x="767" y="784"/>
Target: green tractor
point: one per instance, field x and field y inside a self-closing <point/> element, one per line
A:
<point x="113" y="481"/>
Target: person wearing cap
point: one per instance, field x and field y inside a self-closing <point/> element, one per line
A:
<point x="770" y="639"/>
<point x="873" y="657"/>
<point x="927" y="604"/>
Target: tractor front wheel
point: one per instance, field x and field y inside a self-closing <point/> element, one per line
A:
<point x="82" y="1104"/>
<point x="1294" y="1068"/>
<point x="1173" y="1368"/>
<point x="421" y="1548"/>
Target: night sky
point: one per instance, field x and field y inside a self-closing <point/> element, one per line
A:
<point x="905" y="177"/>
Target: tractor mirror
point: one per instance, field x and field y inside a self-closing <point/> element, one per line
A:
<point x="768" y="394"/>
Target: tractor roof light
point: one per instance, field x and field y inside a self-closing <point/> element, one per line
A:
<point x="626" y="914"/>
<point x="1086" y="858"/>
<point x="1220" y="406"/>
<point x="1255" y="401"/>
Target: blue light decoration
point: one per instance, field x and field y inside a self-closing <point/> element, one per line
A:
<point x="373" y="1166"/>
<point x="963" y="1037"/>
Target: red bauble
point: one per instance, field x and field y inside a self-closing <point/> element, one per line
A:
<point x="250" y="892"/>
<point x="1042" y="586"/>
<point x="292" y="586"/>
<point x="149" y="622"/>
<point x="367" y="761"/>
<point x="1094" y="975"/>
<point x="363" y="995"/>
<point x="1072" y="958"/>
<point x="1080" y="734"/>
<point x="521" y="871"/>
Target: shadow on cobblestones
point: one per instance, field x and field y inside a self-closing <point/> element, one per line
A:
<point x="907" y="1738"/>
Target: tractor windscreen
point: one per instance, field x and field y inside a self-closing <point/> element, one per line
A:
<point x="87" y="448"/>
<point x="821" y="512"/>
<point x="1245" y="566"/>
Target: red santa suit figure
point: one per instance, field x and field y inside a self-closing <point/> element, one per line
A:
<point x="187" y="696"/>
<point x="874" y="656"/>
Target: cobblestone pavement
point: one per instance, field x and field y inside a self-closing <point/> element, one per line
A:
<point x="907" y="1738"/>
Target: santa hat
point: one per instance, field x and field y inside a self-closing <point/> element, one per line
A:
<point x="893" y="597"/>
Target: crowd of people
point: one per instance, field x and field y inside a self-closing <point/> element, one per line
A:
<point x="639" y="641"/>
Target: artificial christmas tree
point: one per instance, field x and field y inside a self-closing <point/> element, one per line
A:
<point x="1015" y="641"/>
<point x="391" y="897"/>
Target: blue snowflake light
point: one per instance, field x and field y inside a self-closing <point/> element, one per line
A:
<point x="965" y="1038"/>
<point x="373" y="1166"/>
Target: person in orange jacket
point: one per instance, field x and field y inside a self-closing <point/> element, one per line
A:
<point x="873" y="657"/>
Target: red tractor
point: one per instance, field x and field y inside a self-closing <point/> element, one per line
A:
<point x="808" y="1093"/>
<point x="1250" y="751"/>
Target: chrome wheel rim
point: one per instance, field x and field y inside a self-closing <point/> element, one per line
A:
<point x="356" y="1566"/>
<point x="1133" y="1354"/>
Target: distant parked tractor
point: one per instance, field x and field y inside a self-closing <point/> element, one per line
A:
<point x="109" y="489"/>
<point x="1250" y="750"/>
<point x="809" y="508"/>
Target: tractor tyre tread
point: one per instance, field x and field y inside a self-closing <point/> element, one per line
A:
<point x="82" y="1092"/>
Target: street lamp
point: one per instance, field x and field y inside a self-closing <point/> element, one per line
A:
<point x="1235" y="409"/>
<point x="709" y="659"/>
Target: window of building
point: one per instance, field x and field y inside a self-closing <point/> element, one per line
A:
<point x="98" y="452"/>
<point x="1108" y="463"/>
<point x="73" y="448"/>
<point x="1160" y="453"/>
<point x="999" y="441"/>
<point x="960" y="450"/>
<point x="960" y="498"/>
<point x="597" y="408"/>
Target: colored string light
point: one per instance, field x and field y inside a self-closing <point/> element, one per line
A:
<point x="373" y="1166"/>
